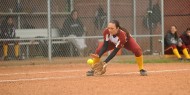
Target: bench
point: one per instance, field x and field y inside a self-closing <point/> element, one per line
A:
<point x="31" y="34"/>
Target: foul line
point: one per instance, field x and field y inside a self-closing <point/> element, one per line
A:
<point x="63" y="71"/>
<point x="161" y="71"/>
<point x="69" y="77"/>
<point x="40" y="79"/>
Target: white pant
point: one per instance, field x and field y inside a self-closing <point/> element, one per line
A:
<point x="79" y="43"/>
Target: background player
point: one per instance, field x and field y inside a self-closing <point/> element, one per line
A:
<point x="174" y="44"/>
<point x="185" y="37"/>
<point x="8" y="32"/>
<point x="116" y="37"/>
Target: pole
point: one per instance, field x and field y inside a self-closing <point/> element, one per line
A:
<point x="18" y="10"/>
<point x="108" y="10"/>
<point x="162" y="24"/>
<point x="71" y="3"/>
<point x="108" y="14"/>
<point x="49" y="30"/>
<point x="134" y="19"/>
<point x="150" y="25"/>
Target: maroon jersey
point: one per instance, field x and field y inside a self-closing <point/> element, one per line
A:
<point x="119" y="39"/>
<point x="185" y="39"/>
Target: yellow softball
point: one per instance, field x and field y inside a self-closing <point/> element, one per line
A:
<point x="90" y="61"/>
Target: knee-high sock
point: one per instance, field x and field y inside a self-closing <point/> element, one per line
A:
<point x="139" y="61"/>
<point x="16" y="47"/>
<point x="175" y="51"/>
<point x="185" y="52"/>
<point x="5" y="50"/>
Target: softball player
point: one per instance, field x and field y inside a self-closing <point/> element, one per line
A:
<point x="8" y="32"/>
<point x="174" y="44"/>
<point x="115" y="38"/>
<point x="185" y="37"/>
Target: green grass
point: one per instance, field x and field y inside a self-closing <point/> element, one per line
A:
<point x="75" y="60"/>
<point x="163" y="60"/>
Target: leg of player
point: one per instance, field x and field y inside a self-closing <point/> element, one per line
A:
<point x="16" y="48"/>
<point x="176" y="52"/>
<point x="5" y="51"/>
<point x="135" y="48"/>
<point x="185" y="52"/>
<point x="139" y="61"/>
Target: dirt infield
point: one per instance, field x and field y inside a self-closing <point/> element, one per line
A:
<point x="120" y="79"/>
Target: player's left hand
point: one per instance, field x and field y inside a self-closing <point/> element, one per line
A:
<point x="99" y="68"/>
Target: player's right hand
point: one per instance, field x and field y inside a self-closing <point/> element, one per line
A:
<point x="95" y="57"/>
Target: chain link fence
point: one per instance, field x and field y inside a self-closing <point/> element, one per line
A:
<point x="31" y="19"/>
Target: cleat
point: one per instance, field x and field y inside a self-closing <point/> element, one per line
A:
<point x="17" y="58"/>
<point x="143" y="72"/>
<point x="6" y="58"/>
<point x="90" y="73"/>
<point x="180" y="59"/>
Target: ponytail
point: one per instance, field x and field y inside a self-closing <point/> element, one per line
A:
<point x="125" y="30"/>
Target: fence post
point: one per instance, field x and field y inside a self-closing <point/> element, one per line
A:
<point x="134" y="19"/>
<point x="162" y="24"/>
<point x="49" y="30"/>
<point x="108" y="10"/>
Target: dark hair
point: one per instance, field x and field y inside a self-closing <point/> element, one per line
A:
<point x="118" y="26"/>
<point x="4" y="22"/>
<point x="72" y="12"/>
<point x="173" y="26"/>
<point x="175" y="34"/>
<point x="188" y="29"/>
<point x="116" y="23"/>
